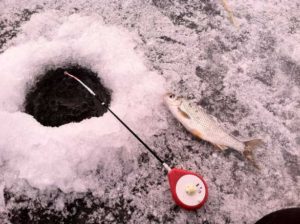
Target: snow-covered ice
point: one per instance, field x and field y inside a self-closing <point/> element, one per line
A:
<point x="248" y="77"/>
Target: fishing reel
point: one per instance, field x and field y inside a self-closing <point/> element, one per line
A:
<point x="188" y="189"/>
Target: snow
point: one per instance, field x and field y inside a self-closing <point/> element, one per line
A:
<point x="248" y="77"/>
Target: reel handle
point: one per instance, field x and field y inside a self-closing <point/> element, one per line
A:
<point x="189" y="190"/>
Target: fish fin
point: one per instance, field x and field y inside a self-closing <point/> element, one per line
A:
<point x="182" y="108"/>
<point x="196" y="133"/>
<point x="249" y="147"/>
<point x="183" y="113"/>
<point x="221" y="147"/>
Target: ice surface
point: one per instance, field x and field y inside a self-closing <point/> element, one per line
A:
<point x="248" y="77"/>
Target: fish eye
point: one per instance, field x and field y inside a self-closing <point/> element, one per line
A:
<point x="171" y="96"/>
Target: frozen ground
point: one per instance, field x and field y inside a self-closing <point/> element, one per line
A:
<point x="93" y="171"/>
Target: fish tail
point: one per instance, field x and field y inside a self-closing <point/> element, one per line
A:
<point x="249" y="148"/>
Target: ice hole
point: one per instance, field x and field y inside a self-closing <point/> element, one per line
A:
<point x="56" y="99"/>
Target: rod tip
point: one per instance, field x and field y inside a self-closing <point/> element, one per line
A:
<point x="167" y="167"/>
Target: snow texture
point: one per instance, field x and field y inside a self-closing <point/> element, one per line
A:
<point x="248" y="76"/>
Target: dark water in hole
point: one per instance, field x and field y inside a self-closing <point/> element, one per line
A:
<point x="57" y="99"/>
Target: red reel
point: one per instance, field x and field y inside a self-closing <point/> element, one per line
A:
<point x="189" y="190"/>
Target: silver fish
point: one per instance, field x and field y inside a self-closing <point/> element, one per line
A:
<point x="206" y="127"/>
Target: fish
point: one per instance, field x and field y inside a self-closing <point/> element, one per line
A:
<point x="206" y="127"/>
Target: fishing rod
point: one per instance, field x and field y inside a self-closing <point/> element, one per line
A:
<point x="119" y="119"/>
<point x="188" y="189"/>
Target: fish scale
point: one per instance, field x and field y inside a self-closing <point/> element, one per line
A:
<point x="209" y="128"/>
